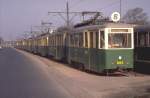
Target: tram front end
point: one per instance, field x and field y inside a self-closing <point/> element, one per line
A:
<point x="119" y="48"/>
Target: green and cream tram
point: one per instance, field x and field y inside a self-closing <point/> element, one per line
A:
<point x="102" y="47"/>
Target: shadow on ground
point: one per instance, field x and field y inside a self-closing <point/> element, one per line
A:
<point x="142" y="67"/>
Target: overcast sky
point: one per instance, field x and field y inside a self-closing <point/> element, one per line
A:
<point x="17" y="16"/>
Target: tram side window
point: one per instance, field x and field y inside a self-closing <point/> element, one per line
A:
<point x="144" y="39"/>
<point x="44" y="41"/>
<point x="97" y="38"/>
<point x="136" y="39"/>
<point x="40" y="42"/>
<point x="76" y="40"/>
<point x="56" y="40"/>
<point x="50" y="41"/>
<point x="80" y="39"/>
<point x="102" y="39"/>
<point x="141" y="40"/>
<point x="71" y="41"/>
<point x="149" y="38"/>
<point x="91" y="39"/>
<point x="86" y="39"/>
<point x="60" y="40"/>
<point x="53" y="40"/>
<point x="94" y="40"/>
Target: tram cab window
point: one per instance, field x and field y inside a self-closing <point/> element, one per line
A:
<point x="102" y="41"/>
<point x="119" y="40"/>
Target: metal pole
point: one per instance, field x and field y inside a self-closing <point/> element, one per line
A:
<point x="120" y="10"/>
<point x="67" y="8"/>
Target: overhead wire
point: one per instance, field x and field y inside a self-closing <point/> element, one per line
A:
<point x="110" y="5"/>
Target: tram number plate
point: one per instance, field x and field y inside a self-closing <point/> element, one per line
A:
<point x="120" y="62"/>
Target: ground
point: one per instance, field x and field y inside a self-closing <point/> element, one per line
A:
<point x="87" y="85"/>
<point x="25" y="75"/>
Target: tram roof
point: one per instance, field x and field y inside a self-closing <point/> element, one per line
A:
<point x="106" y="25"/>
<point x="142" y="28"/>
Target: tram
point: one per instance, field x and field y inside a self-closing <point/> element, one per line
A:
<point x="102" y="47"/>
<point x="97" y="48"/>
<point x="142" y="47"/>
<point x="142" y="43"/>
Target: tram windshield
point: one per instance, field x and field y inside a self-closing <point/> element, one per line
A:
<point x="119" y="40"/>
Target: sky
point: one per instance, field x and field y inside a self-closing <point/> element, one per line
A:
<point x="18" y="16"/>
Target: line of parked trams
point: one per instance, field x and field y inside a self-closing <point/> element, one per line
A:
<point x="97" y="48"/>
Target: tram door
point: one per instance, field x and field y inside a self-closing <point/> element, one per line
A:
<point x="93" y="49"/>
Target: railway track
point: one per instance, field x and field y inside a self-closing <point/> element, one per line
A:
<point x="128" y="73"/>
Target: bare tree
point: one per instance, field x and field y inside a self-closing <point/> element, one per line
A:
<point x="136" y="16"/>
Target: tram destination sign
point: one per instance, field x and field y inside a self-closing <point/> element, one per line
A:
<point x="115" y="16"/>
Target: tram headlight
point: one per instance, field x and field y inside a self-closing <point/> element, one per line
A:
<point x="120" y="57"/>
